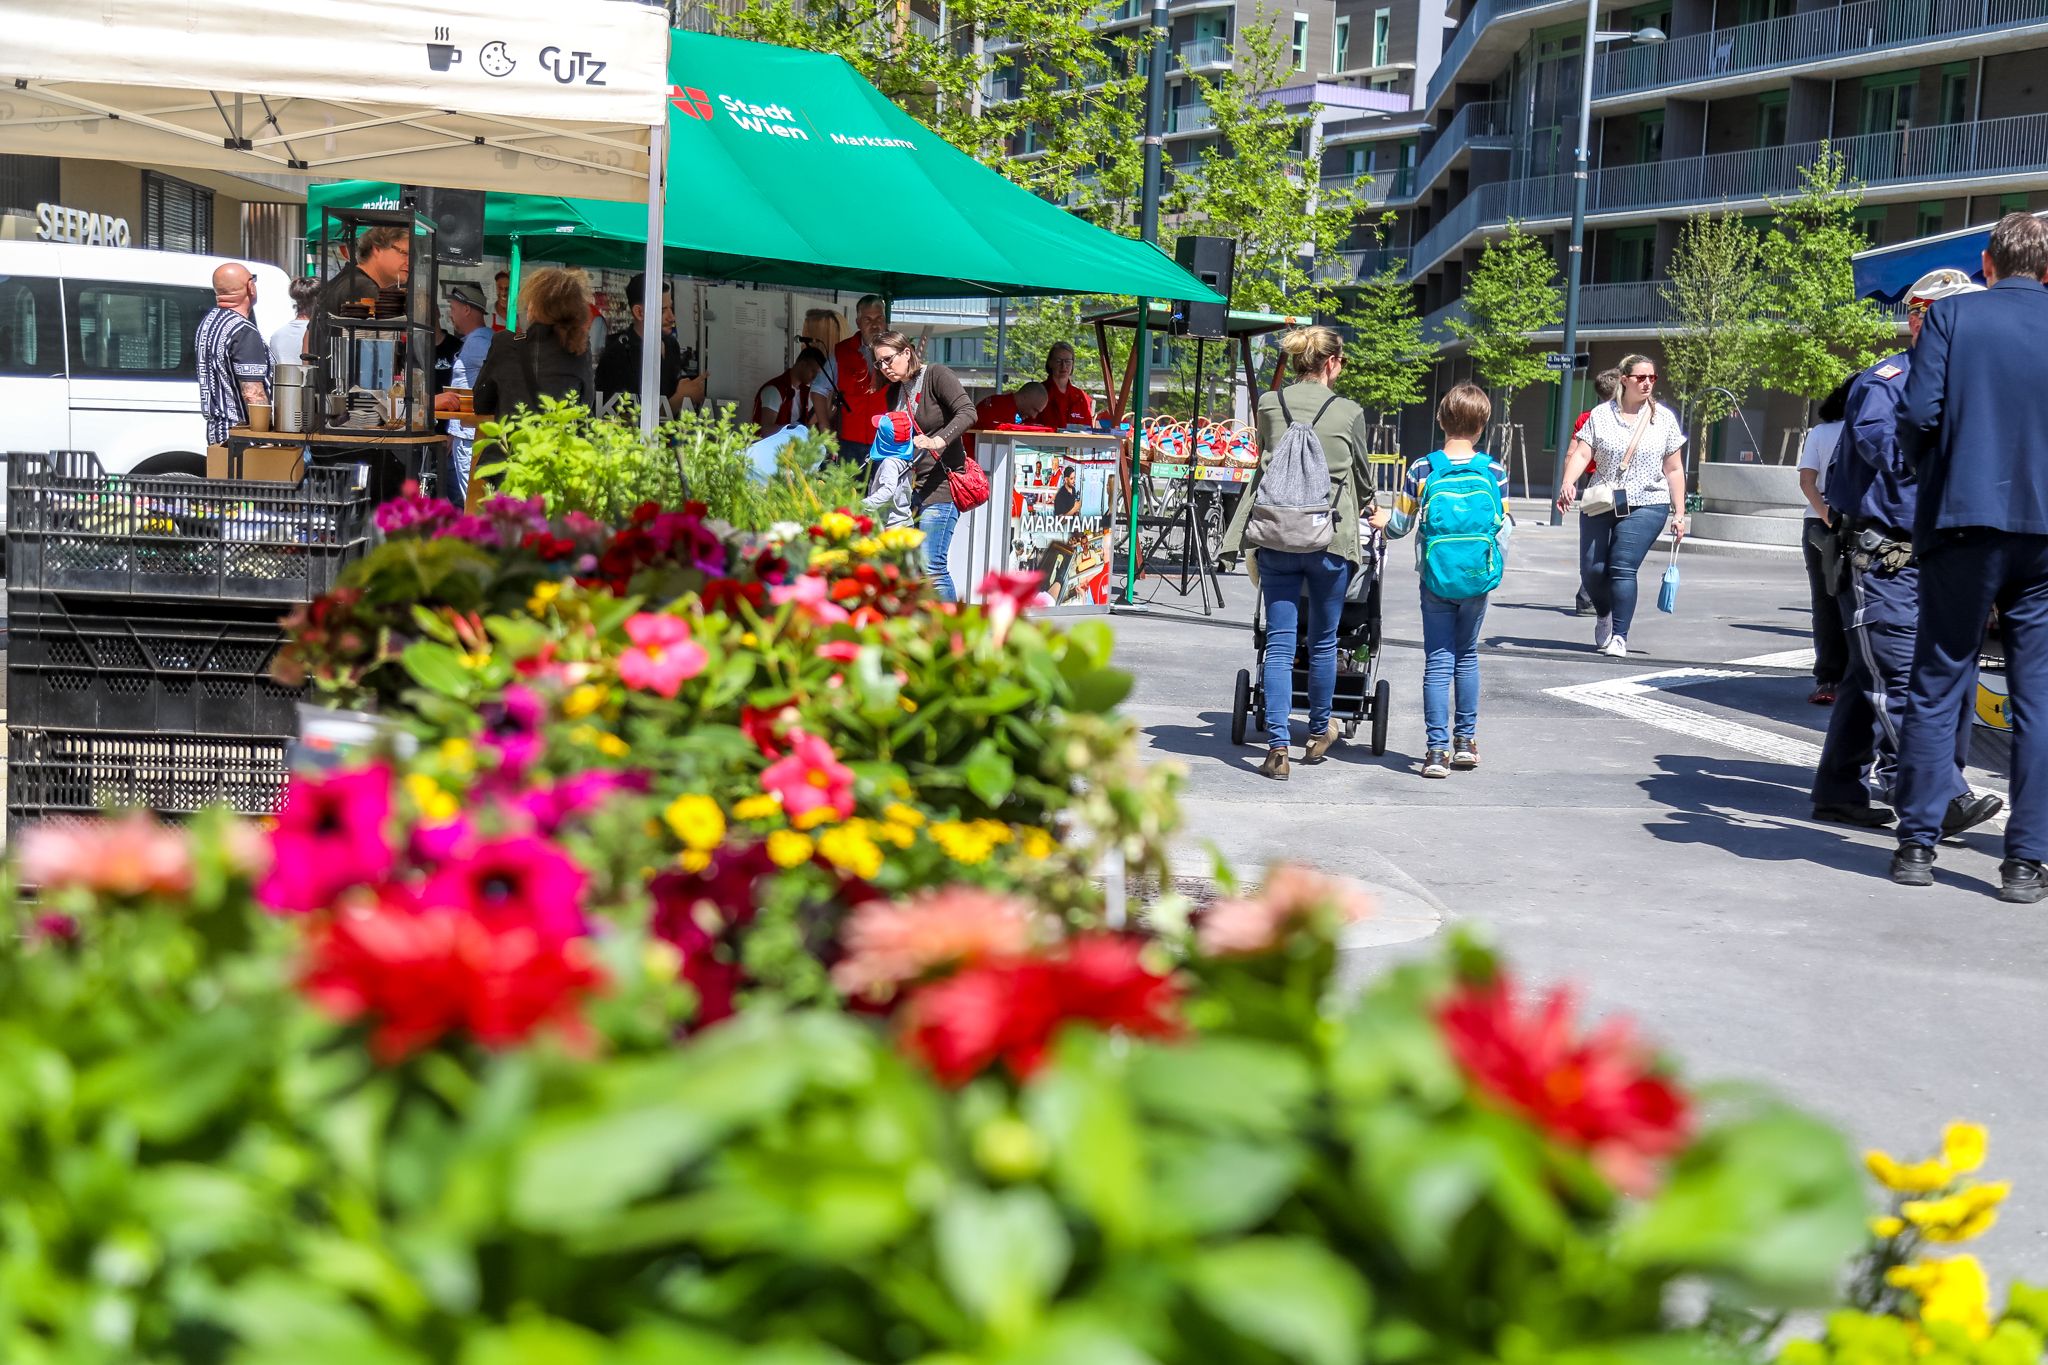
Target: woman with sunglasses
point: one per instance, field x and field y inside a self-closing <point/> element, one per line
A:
<point x="1636" y="446"/>
<point x="940" y="414"/>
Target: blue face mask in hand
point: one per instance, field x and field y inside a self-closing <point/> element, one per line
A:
<point x="1667" y="593"/>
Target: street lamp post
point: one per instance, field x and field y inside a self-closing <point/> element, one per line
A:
<point x="1575" y="258"/>
<point x="1148" y="228"/>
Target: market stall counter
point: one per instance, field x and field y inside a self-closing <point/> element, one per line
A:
<point x="389" y="459"/>
<point x="1054" y="503"/>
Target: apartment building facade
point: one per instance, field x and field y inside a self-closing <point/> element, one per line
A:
<point x="1940" y="108"/>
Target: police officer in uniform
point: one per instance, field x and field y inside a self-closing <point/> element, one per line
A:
<point x="1973" y="423"/>
<point x="1873" y="496"/>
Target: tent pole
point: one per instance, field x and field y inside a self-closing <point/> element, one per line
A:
<point x="512" y="291"/>
<point x="1148" y="229"/>
<point x="652" y="335"/>
<point x="1141" y="338"/>
<point x="1002" y="341"/>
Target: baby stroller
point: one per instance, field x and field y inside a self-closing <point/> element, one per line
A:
<point x="1361" y="694"/>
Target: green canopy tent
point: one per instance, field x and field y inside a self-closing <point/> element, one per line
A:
<point x="786" y="167"/>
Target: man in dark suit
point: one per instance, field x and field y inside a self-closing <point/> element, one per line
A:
<point x="1973" y="421"/>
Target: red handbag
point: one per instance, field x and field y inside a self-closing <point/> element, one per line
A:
<point x="968" y="485"/>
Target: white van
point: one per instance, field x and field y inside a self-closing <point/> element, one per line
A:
<point x="96" y="351"/>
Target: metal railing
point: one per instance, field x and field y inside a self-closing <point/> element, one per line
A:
<point x="1634" y="305"/>
<point x="1374" y="187"/>
<point x="1205" y="52"/>
<point x="1992" y="147"/>
<point x="1462" y="42"/>
<point x="1363" y="265"/>
<point x="1190" y="118"/>
<point x="1811" y="36"/>
<point x="1484" y="124"/>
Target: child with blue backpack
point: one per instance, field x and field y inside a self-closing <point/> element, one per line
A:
<point x="1456" y="501"/>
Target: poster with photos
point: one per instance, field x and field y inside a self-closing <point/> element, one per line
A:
<point x="1062" y="517"/>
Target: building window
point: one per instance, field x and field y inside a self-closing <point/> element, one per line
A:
<point x="175" y="216"/>
<point x="1955" y="92"/>
<point x="1888" y="103"/>
<point x="1650" y="136"/>
<point x="1870" y="223"/>
<point x="1301" y="42"/>
<point x="1771" y="118"/>
<point x="1382" y="35"/>
<point x="1634" y="248"/>
<point x="121" y="330"/>
<point x="2013" y="203"/>
<point x="1927" y="219"/>
<point x="26" y="181"/>
<point x="1340" y="56"/>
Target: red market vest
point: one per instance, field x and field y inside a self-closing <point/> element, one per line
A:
<point x="861" y="402"/>
<point x="1072" y="408"/>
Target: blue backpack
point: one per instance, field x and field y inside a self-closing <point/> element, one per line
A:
<point x="1462" y="517"/>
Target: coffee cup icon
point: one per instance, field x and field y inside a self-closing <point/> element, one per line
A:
<point x="440" y="56"/>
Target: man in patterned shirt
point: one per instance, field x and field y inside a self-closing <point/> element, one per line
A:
<point x="234" y="362"/>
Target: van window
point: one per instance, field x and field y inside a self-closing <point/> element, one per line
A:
<point x="124" y="330"/>
<point x="31" y="330"/>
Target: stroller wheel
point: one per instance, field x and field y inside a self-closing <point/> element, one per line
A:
<point x="1382" y="708"/>
<point x="1350" y="729"/>
<point x="1241" y="706"/>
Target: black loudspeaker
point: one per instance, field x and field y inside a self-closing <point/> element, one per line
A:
<point x="458" y="221"/>
<point x="1213" y="261"/>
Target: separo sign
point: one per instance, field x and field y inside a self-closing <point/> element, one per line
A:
<point x="55" y="223"/>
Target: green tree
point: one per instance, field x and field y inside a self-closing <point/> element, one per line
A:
<point x="1716" y="295"/>
<point x="1512" y="293"/>
<point x="1815" y="331"/>
<point x="1386" y="359"/>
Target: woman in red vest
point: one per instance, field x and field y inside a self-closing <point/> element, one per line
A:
<point x="851" y="384"/>
<point x="1066" y="405"/>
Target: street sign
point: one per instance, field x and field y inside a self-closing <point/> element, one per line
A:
<point x="1558" y="360"/>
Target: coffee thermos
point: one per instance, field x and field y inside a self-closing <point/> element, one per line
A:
<point x="291" y="397"/>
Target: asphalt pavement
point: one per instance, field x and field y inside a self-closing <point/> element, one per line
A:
<point x="1640" y="828"/>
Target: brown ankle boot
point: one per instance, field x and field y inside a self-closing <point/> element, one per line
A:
<point x="1276" y="765"/>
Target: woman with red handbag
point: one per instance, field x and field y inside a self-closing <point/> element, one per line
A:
<point x="944" y="479"/>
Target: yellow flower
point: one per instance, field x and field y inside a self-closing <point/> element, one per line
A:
<point x="762" y="807"/>
<point x="697" y="821"/>
<point x="816" y="815"/>
<point x="476" y="659"/>
<point x="837" y="526"/>
<point x="963" y="843"/>
<point x="582" y="701"/>
<point x="867" y="547"/>
<point x="749" y="640"/>
<point x="909" y="705"/>
<point x="995" y="831"/>
<point x="902" y="538"/>
<point x="889" y="832"/>
<point x="787" y="848"/>
<point x="1035" y="843"/>
<point x="1887" y="1227"/>
<point x="435" y="805"/>
<point x="824" y="560"/>
<point x="690" y="860"/>
<point x="1961" y="1216"/>
<point x="457" y="756"/>
<point x="1962" y="1146"/>
<point x="544" y="595"/>
<point x="605" y="743"/>
<point x="1922" y="1177"/>
<point x="849" y="849"/>
<point x="904" y="815"/>
<point x="1951" y="1291"/>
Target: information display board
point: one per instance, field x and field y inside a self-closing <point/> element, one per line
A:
<point x="1054" y="506"/>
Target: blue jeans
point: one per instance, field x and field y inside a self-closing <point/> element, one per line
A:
<point x="1283" y="575"/>
<point x="1611" y="549"/>
<point x="937" y="522"/>
<point x="1450" y="650"/>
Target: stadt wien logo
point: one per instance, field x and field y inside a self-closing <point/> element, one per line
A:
<point x="690" y="100"/>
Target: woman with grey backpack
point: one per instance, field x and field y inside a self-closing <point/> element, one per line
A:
<point x="1301" y="516"/>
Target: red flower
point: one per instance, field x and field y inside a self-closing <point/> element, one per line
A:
<point x="701" y="914"/>
<point x="329" y="837"/>
<point x="810" y="777"/>
<point x="839" y="651"/>
<point x="768" y="729"/>
<point x="1010" y="1011"/>
<point x="520" y="882"/>
<point x="1005" y="594"/>
<point x="728" y="594"/>
<point x="1596" y="1092"/>
<point x="424" y="974"/>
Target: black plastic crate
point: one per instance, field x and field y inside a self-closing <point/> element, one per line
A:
<point x="73" y="527"/>
<point x="75" y="661"/>
<point x="59" y="773"/>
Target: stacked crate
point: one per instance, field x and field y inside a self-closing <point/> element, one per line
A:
<point x="143" y="617"/>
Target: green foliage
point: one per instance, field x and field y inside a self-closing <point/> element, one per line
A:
<point x="1716" y="294"/>
<point x="1513" y="292"/>
<point x="603" y="467"/>
<point x="1816" y="332"/>
<point x="1386" y="360"/>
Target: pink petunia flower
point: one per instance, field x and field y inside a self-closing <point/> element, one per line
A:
<point x="813" y="597"/>
<point x="509" y="883"/>
<point x="129" y="856"/>
<point x="1004" y="596"/>
<point x="663" y="657"/>
<point x="808" y="777"/>
<point x="890" y="944"/>
<point x="330" y="836"/>
<point x="839" y="651"/>
<point x="1258" y="924"/>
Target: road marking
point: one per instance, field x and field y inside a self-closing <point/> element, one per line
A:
<point x="1790" y="658"/>
<point x="1635" y="698"/>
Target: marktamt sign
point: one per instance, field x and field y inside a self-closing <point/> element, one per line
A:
<point x="81" y="227"/>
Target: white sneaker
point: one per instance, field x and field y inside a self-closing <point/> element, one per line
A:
<point x="1616" y="647"/>
<point x="1603" y="631"/>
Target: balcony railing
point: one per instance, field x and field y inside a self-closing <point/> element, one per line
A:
<point x="1363" y="265"/>
<point x="1374" y="187"/>
<point x="1462" y="42"/>
<point x="1992" y="147"/>
<point x="1476" y="125"/>
<point x="1810" y="36"/>
<point x="1190" y="118"/>
<point x="1205" y="52"/>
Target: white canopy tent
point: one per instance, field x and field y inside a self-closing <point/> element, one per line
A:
<point x="527" y="96"/>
